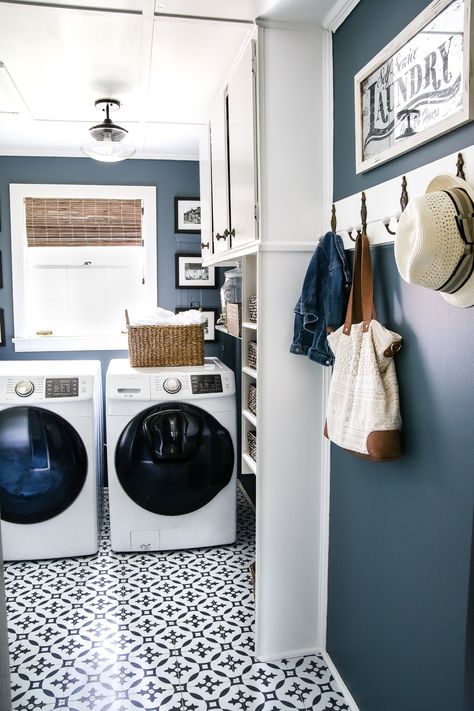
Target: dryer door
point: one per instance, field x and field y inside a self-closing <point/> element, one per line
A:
<point x="174" y="458"/>
<point x="43" y="464"/>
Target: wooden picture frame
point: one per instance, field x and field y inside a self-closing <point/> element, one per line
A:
<point x="191" y="274"/>
<point x="210" y="324"/>
<point x="187" y="215"/>
<point x="418" y="87"/>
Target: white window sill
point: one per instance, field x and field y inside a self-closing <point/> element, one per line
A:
<point x="71" y="343"/>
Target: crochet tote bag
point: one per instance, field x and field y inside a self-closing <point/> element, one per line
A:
<point x="363" y="414"/>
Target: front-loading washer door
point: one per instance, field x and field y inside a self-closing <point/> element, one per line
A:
<point x="43" y="464"/>
<point x="174" y="458"/>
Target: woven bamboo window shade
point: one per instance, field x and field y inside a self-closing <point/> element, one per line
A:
<point x="59" y="222"/>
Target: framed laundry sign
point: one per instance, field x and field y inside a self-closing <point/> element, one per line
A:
<point x="418" y="87"/>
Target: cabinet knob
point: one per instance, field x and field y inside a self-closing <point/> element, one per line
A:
<point x="223" y="236"/>
<point x="204" y="245"/>
<point x="232" y="232"/>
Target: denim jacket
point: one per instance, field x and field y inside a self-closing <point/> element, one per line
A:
<point x="323" y="300"/>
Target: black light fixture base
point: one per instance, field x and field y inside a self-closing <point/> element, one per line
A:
<point x="110" y="104"/>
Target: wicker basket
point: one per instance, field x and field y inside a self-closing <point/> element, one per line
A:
<point x="152" y="346"/>
<point x="252" y="402"/>
<point x="252" y="355"/>
<point x="253" y="309"/>
<point x="252" y="444"/>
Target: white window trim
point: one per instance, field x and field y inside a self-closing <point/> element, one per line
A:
<point x="26" y="343"/>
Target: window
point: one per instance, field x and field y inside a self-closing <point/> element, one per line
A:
<point x="81" y="255"/>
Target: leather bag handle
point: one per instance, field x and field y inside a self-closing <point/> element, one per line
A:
<point x="360" y="307"/>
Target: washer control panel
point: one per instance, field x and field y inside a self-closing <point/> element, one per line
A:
<point x="206" y="383"/>
<point x="61" y="387"/>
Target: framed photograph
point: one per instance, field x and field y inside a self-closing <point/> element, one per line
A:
<point x="2" y="328"/>
<point x="190" y="273"/>
<point x="209" y="324"/>
<point x="418" y="87"/>
<point x="187" y="215"/>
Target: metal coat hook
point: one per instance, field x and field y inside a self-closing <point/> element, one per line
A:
<point x="363" y="213"/>
<point x="333" y="218"/>
<point x="403" y="204"/>
<point x="460" y="167"/>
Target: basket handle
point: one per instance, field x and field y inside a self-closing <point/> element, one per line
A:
<point x="127" y="320"/>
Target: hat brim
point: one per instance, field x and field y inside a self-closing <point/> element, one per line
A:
<point x="446" y="181"/>
<point x="464" y="298"/>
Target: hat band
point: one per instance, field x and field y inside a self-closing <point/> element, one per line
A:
<point x="465" y="223"/>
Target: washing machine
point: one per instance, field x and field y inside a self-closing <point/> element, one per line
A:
<point x="51" y="450"/>
<point x="171" y="455"/>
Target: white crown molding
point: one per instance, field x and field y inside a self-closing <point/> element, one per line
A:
<point x="338" y="13"/>
<point x="29" y="153"/>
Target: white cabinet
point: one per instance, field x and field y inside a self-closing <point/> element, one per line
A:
<point x="205" y="191"/>
<point x="233" y="162"/>
<point x="241" y="96"/>
<point x="219" y="177"/>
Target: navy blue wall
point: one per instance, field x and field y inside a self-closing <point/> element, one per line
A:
<point x="171" y="178"/>
<point x="400" y="546"/>
<point x="367" y="30"/>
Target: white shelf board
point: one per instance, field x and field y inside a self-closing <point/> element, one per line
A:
<point x="251" y="463"/>
<point x="221" y="259"/>
<point x="250" y="371"/>
<point x="250" y="417"/>
<point x="250" y="325"/>
<point x="224" y="330"/>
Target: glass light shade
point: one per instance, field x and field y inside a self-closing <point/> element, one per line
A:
<point x="107" y="150"/>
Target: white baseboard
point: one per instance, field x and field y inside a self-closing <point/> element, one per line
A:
<point x="347" y="694"/>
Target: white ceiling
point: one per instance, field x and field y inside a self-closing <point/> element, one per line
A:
<point x="164" y="64"/>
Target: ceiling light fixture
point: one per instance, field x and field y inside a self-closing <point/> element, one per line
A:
<point x="108" y="137"/>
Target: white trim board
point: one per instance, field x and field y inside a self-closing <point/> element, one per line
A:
<point x="348" y="698"/>
<point x="383" y="200"/>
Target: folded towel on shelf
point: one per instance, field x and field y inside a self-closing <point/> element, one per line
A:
<point x="162" y="317"/>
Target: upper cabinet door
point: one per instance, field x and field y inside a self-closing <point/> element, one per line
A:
<point x="220" y="177"/>
<point x="205" y="191"/>
<point x="242" y="125"/>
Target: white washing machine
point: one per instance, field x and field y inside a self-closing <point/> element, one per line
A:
<point x="50" y="458"/>
<point x="171" y="454"/>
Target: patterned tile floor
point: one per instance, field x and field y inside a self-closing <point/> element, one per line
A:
<point x="167" y="631"/>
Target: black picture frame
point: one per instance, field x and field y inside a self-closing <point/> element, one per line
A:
<point x="1" y="272"/>
<point x="187" y="215"/>
<point x="190" y="274"/>
<point x="211" y="315"/>
<point x="3" y="341"/>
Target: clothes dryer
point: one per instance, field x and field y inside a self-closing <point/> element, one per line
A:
<point x="51" y="452"/>
<point x="171" y="439"/>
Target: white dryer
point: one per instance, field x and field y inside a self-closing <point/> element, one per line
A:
<point x="50" y="458"/>
<point x="171" y="443"/>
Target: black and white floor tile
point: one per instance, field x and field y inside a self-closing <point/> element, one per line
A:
<point x="166" y="631"/>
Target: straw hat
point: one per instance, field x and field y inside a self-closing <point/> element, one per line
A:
<point x="434" y="246"/>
